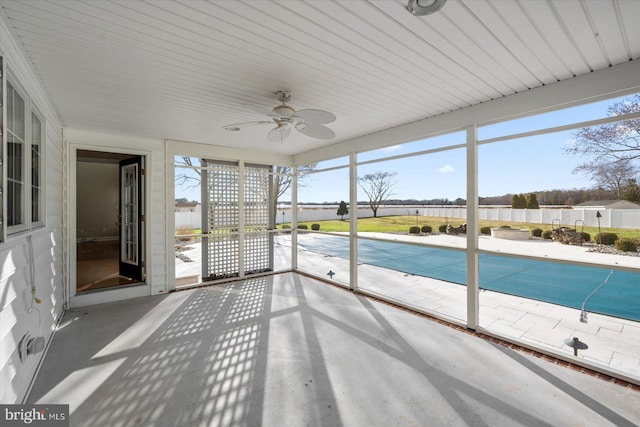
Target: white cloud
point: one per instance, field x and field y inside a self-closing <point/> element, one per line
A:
<point x="446" y="169"/>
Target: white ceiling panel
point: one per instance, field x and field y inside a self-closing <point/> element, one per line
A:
<point x="183" y="69"/>
<point x="606" y="22"/>
<point x="579" y="24"/>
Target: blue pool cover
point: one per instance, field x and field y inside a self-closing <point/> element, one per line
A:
<point x="615" y="293"/>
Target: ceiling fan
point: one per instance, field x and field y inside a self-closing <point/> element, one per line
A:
<point x="308" y="122"/>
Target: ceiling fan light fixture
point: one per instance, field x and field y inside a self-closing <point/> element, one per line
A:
<point x="284" y="111"/>
<point x="424" y="7"/>
<point x="309" y="122"/>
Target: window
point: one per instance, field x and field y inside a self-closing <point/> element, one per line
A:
<point x="36" y="165"/>
<point x="25" y="138"/>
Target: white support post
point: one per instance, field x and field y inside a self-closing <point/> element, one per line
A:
<point x="294" y="218"/>
<point x="473" y="305"/>
<point x="241" y="214"/>
<point x="353" y="222"/>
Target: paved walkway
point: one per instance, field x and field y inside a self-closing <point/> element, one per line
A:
<point x="614" y="343"/>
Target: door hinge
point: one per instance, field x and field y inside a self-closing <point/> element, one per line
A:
<point x="142" y="171"/>
<point x="142" y="218"/>
<point x="143" y="264"/>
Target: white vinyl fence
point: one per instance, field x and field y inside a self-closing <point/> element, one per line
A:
<point x="614" y="218"/>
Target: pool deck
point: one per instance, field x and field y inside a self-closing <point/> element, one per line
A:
<point x="614" y="343"/>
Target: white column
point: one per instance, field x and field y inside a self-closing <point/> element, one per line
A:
<point x="353" y="221"/>
<point x="294" y="217"/>
<point x="473" y="306"/>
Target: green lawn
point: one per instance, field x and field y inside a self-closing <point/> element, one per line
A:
<point x="395" y="224"/>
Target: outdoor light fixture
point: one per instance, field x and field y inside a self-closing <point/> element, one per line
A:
<point x="331" y="274"/>
<point x="576" y="344"/>
<point x="598" y="215"/>
<point x="424" y="7"/>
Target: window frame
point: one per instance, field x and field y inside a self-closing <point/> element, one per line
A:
<point x="40" y="222"/>
<point x="26" y="162"/>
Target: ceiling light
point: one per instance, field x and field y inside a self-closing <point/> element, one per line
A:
<point x="424" y="7"/>
<point x="284" y="111"/>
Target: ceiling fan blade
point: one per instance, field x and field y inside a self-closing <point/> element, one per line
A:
<point x="237" y="126"/>
<point x="279" y="133"/>
<point x="316" y="116"/>
<point x="317" y="132"/>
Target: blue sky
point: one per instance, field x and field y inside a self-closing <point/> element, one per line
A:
<point x="514" y="166"/>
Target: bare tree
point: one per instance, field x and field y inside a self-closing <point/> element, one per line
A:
<point x="378" y="187"/>
<point x="281" y="178"/>
<point x="611" y="142"/>
<point x="185" y="179"/>
<point x="614" y="176"/>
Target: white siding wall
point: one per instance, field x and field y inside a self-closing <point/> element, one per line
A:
<point x="16" y="316"/>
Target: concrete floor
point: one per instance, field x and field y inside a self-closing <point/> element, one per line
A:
<point x="614" y="343"/>
<point x="287" y="350"/>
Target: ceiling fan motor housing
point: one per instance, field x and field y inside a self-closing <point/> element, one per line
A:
<point x="284" y="111"/>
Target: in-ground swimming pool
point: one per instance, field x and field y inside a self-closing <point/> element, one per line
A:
<point x="606" y="291"/>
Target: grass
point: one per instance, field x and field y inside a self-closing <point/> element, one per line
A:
<point x="401" y="224"/>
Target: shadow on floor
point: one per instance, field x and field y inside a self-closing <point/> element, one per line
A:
<point x="289" y="350"/>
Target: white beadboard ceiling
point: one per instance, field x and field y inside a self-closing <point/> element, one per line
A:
<point x="183" y="69"/>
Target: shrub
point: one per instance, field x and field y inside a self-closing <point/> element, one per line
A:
<point x="626" y="245"/>
<point x="303" y="227"/>
<point x="606" y="238"/>
<point x="546" y="234"/>
<point x="536" y="232"/>
<point x="286" y="226"/>
<point x="443" y="228"/>
<point x="315" y="227"/>
<point x="504" y="226"/>
<point x="414" y="230"/>
<point x="426" y="229"/>
<point x="585" y="236"/>
<point x="485" y="230"/>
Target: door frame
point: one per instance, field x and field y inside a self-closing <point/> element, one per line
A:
<point x="72" y="298"/>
